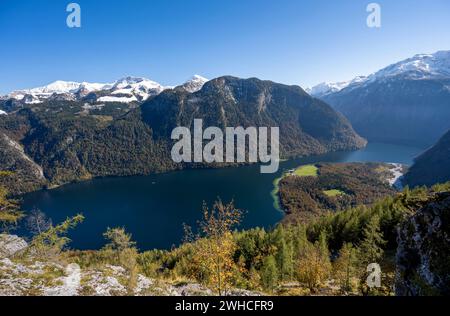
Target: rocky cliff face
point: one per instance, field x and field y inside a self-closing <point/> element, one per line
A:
<point x="11" y="245"/>
<point x="423" y="253"/>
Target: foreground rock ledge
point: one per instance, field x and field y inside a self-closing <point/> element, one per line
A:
<point x="423" y="255"/>
<point x="11" y="245"/>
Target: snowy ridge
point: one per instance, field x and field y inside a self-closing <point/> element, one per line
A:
<point x="419" y="67"/>
<point x="125" y="90"/>
<point x="38" y="95"/>
<point x="60" y="87"/>
<point x="422" y="66"/>
<point x="332" y="87"/>
<point x="133" y="89"/>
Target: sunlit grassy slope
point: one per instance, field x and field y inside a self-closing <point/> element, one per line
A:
<point x="306" y="171"/>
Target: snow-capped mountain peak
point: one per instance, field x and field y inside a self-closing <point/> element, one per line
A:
<point x="194" y="84"/>
<point x="55" y="87"/>
<point x="421" y="66"/>
<point x="131" y="89"/>
<point x="133" y="82"/>
<point x="332" y="87"/>
<point x="125" y="90"/>
<point x="418" y="67"/>
<point x="59" y="87"/>
<point x="326" y="87"/>
<point x="67" y="87"/>
<point x="199" y="78"/>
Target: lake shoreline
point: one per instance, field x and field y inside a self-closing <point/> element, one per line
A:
<point x="191" y="167"/>
<point x="154" y="207"/>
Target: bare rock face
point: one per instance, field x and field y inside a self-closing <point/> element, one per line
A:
<point x="10" y="245"/>
<point x="423" y="254"/>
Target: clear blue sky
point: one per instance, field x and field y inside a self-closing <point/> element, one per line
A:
<point x="289" y="41"/>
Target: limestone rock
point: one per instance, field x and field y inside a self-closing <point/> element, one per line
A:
<point x="10" y="245"/>
<point x="423" y="254"/>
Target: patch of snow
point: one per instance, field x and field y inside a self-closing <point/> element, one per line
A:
<point x="123" y="91"/>
<point x="3" y="113"/>
<point x="117" y="99"/>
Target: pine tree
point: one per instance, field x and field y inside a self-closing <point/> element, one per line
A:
<point x="346" y="267"/>
<point x="50" y="243"/>
<point x="254" y="279"/>
<point x="323" y="245"/>
<point x="269" y="274"/>
<point x="119" y="239"/>
<point x="300" y="240"/>
<point x="370" y="249"/>
<point x="284" y="255"/>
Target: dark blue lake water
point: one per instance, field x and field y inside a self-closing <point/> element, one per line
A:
<point x="154" y="208"/>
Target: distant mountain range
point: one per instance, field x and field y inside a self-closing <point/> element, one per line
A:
<point x="125" y="90"/>
<point x="407" y="102"/>
<point x="60" y="141"/>
<point x="326" y="88"/>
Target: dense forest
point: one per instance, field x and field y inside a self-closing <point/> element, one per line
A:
<point x="333" y="187"/>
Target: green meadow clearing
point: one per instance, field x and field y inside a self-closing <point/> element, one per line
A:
<point x="307" y="171"/>
<point x="334" y="193"/>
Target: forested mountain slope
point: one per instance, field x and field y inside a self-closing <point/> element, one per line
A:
<point x="433" y="166"/>
<point x="72" y="140"/>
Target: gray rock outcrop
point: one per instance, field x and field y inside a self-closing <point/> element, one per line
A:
<point x="10" y="245"/>
<point x="423" y="254"/>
